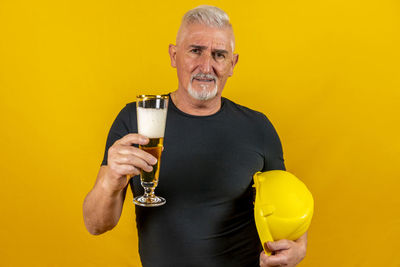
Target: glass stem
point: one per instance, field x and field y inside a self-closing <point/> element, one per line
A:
<point x="148" y="192"/>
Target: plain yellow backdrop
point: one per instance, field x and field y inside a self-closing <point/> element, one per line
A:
<point x="326" y="73"/>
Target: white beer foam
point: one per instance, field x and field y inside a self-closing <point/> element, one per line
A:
<point x="151" y="122"/>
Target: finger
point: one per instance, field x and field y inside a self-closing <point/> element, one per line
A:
<point x="133" y="160"/>
<point x="275" y="260"/>
<point x="130" y="150"/>
<point x="278" y="245"/>
<point x="266" y="248"/>
<point x="149" y="158"/>
<point x="133" y="138"/>
<point x="263" y="257"/>
<point x="124" y="169"/>
<point x="133" y="172"/>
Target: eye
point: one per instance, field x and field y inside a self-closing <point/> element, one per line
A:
<point x="219" y="55"/>
<point x="195" y="51"/>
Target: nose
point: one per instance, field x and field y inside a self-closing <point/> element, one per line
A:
<point x="205" y="63"/>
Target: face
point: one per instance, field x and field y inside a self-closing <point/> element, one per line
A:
<point x="204" y="59"/>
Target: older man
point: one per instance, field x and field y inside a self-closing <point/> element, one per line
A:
<point x="213" y="147"/>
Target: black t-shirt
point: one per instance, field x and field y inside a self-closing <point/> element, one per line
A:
<point x="206" y="175"/>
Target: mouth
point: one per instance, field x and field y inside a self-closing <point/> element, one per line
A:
<point x="207" y="80"/>
<point x="203" y="78"/>
<point x="203" y="86"/>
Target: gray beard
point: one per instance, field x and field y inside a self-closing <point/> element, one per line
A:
<point x="204" y="94"/>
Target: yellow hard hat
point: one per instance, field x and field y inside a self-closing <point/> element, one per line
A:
<point x="283" y="206"/>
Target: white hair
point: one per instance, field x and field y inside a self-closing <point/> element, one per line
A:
<point x="209" y="15"/>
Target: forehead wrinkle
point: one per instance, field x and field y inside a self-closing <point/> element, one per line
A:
<point x="214" y="45"/>
<point x="223" y="51"/>
<point x="203" y="47"/>
<point x="184" y="33"/>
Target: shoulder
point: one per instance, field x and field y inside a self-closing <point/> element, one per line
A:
<point x="126" y="119"/>
<point x="127" y="111"/>
<point x="131" y="107"/>
<point x="251" y="119"/>
<point x="248" y="113"/>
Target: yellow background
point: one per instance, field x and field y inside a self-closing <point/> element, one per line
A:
<point x="325" y="72"/>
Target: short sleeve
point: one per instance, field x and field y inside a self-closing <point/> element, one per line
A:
<point x="273" y="153"/>
<point x="120" y="127"/>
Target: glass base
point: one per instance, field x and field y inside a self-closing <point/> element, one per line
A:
<point x="152" y="201"/>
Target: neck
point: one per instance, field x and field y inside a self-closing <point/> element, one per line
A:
<point x="188" y="104"/>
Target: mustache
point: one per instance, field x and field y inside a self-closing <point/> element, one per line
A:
<point x="203" y="76"/>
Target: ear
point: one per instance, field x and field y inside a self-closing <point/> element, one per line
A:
<point x="234" y="62"/>
<point x="172" y="55"/>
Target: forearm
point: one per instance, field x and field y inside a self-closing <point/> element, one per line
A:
<point x="102" y="208"/>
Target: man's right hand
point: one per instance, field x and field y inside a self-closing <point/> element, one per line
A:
<point x="103" y="205"/>
<point x="124" y="159"/>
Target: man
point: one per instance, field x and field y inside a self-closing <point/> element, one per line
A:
<point x="213" y="147"/>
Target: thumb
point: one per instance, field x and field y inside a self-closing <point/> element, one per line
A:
<point x="133" y="138"/>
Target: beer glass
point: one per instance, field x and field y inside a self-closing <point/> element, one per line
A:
<point x="151" y="119"/>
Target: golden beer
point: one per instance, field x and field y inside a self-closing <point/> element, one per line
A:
<point x="151" y="119"/>
<point x="154" y="147"/>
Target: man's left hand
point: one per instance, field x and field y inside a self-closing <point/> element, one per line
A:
<point x="284" y="252"/>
